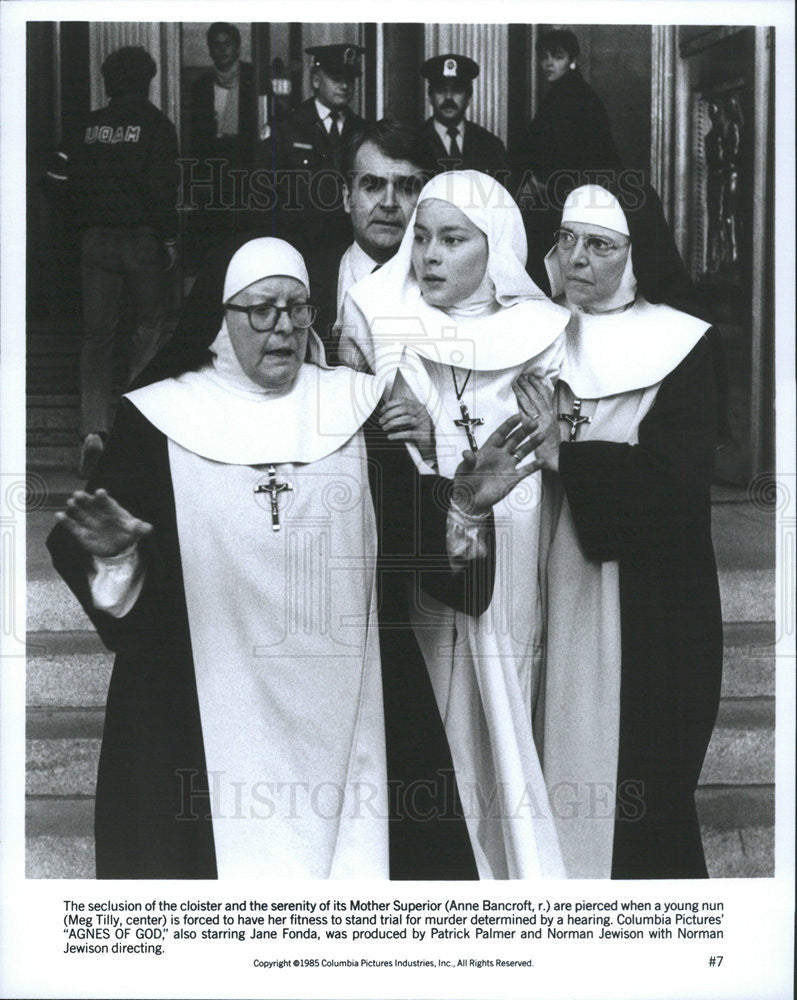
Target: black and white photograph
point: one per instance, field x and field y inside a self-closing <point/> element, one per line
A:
<point x="398" y="500"/>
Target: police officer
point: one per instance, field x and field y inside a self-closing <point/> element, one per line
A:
<point x="309" y="146"/>
<point x="117" y="174"/>
<point x="454" y="142"/>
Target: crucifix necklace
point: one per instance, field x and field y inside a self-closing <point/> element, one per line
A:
<point x="467" y="422"/>
<point x="273" y="488"/>
<point x="575" y="419"/>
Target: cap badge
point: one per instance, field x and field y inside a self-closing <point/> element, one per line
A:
<point x="349" y="57"/>
<point x="450" y="67"/>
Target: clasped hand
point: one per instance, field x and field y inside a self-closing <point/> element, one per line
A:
<point x="100" y="524"/>
<point x="403" y="417"/>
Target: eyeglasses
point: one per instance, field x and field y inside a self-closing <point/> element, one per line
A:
<point x="597" y="245"/>
<point x="264" y="316"/>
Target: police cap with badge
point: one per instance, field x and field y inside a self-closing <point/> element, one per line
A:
<point x="337" y="60"/>
<point x="450" y="68"/>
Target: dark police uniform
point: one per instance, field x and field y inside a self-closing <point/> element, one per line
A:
<point x="308" y="180"/>
<point x="480" y="149"/>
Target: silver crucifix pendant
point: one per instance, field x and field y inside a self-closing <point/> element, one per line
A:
<point x="575" y="419"/>
<point x="273" y="488"/>
<point x="468" y="423"/>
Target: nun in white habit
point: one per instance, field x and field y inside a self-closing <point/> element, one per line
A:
<point x="229" y="549"/>
<point x="451" y="322"/>
<point x="634" y="633"/>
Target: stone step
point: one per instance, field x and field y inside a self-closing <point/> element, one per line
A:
<point x="52" y="416"/>
<point x="748" y="852"/>
<point x="59" y="857"/>
<point x="63" y="747"/>
<point x="62" y="765"/>
<point x="60" y="842"/>
<point x="748" y="668"/>
<point x="748" y="600"/>
<point x="52" y="345"/>
<point x="53" y="608"/>
<point x="742" y="747"/>
<point x="67" y="670"/>
<point x="61" y="457"/>
<point x="60" y="724"/>
<point x="61" y="325"/>
<point x="747" y="595"/>
<point x="60" y="434"/>
<point x="54" y="381"/>
<point x="57" y="400"/>
<point x="63" y="816"/>
<point x="720" y="809"/>
<point x="723" y="807"/>
<point x="71" y="669"/>
<point x="47" y="490"/>
<point x="745" y="853"/>
<point x="55" y="423"/>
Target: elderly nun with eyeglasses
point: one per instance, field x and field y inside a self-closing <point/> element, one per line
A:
<point x="633" y="653"/>
<point x="248" y="547"/>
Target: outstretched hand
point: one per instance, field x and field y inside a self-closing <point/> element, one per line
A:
<point x="100" y="524"/>
<point x="486" y="476"/>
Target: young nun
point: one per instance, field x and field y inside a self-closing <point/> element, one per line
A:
<point x="452" y="321"/>
<point x="230" y="550"/>
<point x="634" y="632"/>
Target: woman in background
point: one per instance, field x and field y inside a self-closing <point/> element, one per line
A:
<point x="571" y="130"/>
<point x="569" y="137"/>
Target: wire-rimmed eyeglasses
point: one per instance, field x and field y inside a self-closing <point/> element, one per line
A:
<point x="597" y="245"/>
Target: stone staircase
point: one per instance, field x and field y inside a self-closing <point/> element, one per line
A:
<point x="53" y="393"/>
<point x="68" y="672"/>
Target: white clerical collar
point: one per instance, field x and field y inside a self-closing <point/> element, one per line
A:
<point x="324" y="112"/>
<point x="202" y="412"/>
<point x="607" y="354"/>
<point x="442" y="131"/>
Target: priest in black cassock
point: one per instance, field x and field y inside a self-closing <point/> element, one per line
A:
<point x="249" y="547"/>
<point x="634" y="632"/>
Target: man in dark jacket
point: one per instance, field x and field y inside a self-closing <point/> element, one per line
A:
<point x="309" y="148"/>
<point x="453" y="142"/>
<point x="221" y="141"/>
<point x="223" y="101"/>
<point x="117" y="175"/>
